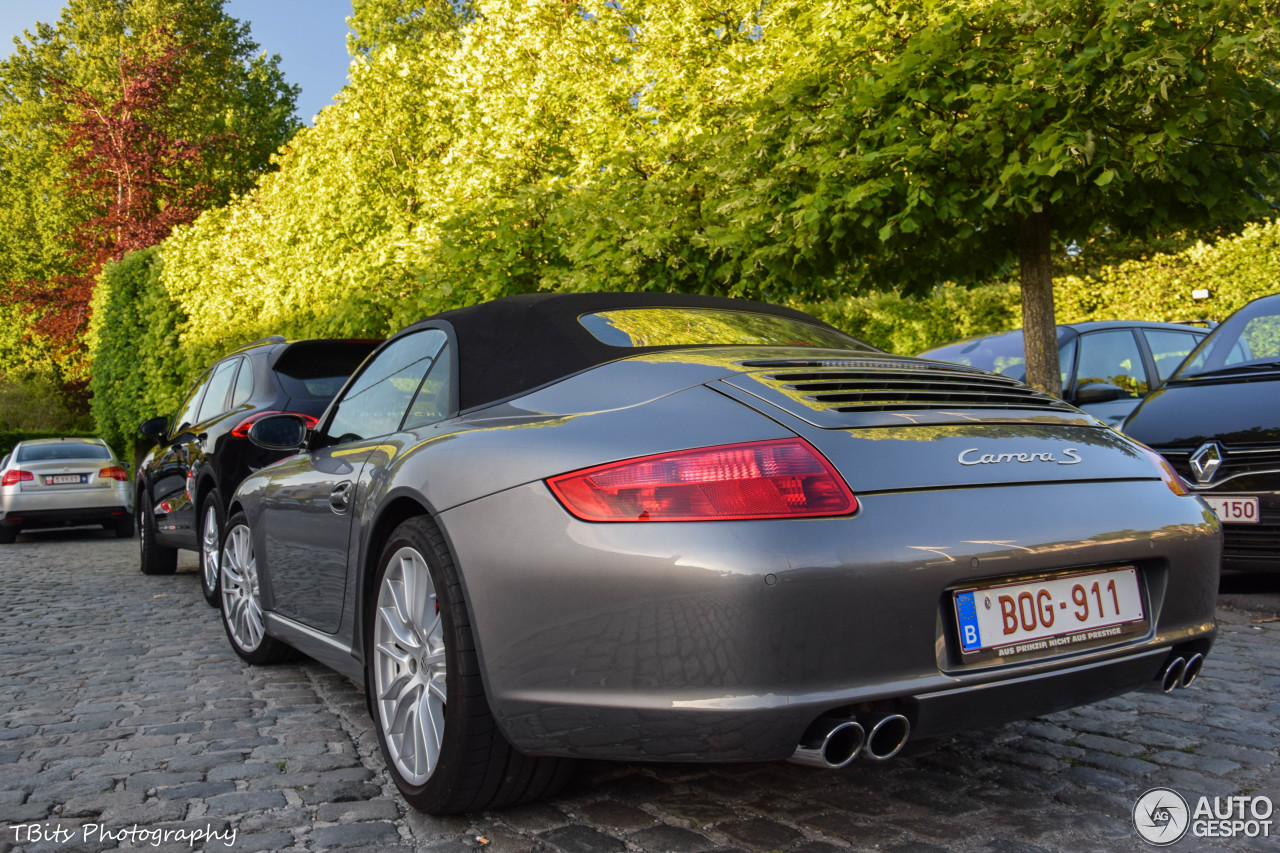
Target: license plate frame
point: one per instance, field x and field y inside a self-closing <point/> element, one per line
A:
<point x="1237" y="509"/>
<point x="1116" y="611"/>
<point x="66" y="479"/>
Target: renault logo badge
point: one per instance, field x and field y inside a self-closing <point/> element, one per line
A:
<point x="1206" y="461"/>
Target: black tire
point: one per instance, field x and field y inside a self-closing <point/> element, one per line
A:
<point x="123" y="528"/>
<point x="8" y="535"/>
<point x="476" y="768"/>
<point x="210" y="547"/>
<point x="154" y="558"/>
<point x="239" y="596"/>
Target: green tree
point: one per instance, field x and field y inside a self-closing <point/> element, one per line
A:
<point x="63" y="77"/>
<point x="377" y="24"/>
<point x="935" y="139"/>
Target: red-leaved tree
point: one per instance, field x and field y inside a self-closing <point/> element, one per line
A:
<point x="138" y="178"/>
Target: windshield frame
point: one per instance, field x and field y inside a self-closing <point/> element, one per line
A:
<point x="1209" y="358"/>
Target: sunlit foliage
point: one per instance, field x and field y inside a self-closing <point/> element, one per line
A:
<point x="792" y="151"/>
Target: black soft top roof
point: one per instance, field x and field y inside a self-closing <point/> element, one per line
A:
<point x="518" y="343"/>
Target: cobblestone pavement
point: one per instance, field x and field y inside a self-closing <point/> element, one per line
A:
<point x="123" y="712"/>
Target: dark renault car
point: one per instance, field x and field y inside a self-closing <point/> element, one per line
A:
<point x="183" y="484"/>
<point x="683" y="528"/>
<point x="1108" y="366"/>
<point x="1217" y="420"/>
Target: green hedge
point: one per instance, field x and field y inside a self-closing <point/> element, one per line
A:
<point x="1234" y="271"/>
<point x="140" y="364"/>
<point x="147" y="350"/>
<point x="903" y="325"/>
<point x="31" y="399"/>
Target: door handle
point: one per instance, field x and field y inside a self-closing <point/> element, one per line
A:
<point x="340" y="497"/>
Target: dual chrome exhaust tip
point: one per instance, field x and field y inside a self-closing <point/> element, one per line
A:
<point x="834" y="742"/>
<point x="1181" y="672"/>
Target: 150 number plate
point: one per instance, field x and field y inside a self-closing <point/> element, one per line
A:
<point x="1234" y="510"/>
<point x="1049" y="615"/>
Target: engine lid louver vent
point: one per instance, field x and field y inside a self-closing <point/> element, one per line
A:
<point x="896" y="387"/>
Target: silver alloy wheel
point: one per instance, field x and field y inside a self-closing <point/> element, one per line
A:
<point x="241" y="606"/>
<point x="143" y="533"/>
<point x="209" y="547"/>
<point x="409" y="666"/>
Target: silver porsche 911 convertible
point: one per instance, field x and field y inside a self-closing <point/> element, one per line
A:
<point x="681" y="528"/>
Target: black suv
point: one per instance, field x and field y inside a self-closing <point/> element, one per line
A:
<point x="184" y="483"/>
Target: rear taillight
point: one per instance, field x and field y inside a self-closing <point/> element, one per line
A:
<point x="242" y="428"/>
<point x="115" y="472"/>
<point x="15" y="476"/>
<point x="785" y="478"/>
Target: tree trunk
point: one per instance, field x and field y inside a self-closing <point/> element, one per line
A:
<point x="1039" y="334"/>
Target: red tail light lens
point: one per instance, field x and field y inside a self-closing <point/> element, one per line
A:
<point x="15" y="476"/>
<point x="115" y="472"/>
<point x="786" y="478"/>
<point x="242" y="428"/>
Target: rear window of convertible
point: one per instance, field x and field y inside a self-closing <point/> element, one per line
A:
<point x="659" y="327"/>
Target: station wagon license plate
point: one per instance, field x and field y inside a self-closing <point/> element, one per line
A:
<point x="1049" y="615"/>
<point x="66" y="479"/>
<point x="1234" y="510"/>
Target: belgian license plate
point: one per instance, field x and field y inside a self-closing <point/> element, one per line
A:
<point x="1052" y="614"/>
<point x="64" y="479"/>
<point x="1234" y="510"/>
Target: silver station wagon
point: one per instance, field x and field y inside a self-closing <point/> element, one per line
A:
<point x="682" y="528"/>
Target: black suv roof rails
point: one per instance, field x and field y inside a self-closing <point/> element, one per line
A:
<point x="270" y="339"/>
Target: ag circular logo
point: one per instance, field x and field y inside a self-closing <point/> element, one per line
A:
<point x="1161" y="816"/>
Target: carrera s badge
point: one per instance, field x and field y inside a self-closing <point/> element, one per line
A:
<point x="1070" y="456"/>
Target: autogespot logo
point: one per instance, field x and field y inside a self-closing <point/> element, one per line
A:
<point x="1161" y="816"/>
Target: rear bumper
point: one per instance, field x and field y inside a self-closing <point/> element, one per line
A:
<point x="770" y="726"/>
<point x="54" y="508"/>
<point x="32" y="519"/>
<point x="724" y="641"/>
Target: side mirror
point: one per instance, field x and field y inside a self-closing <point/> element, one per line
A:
<point x="279" y="432"/>
<point x="155" y="429"/>
<point x="1098" y="392"/>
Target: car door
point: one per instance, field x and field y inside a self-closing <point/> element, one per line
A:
<point x="1169" y="348"/>
<point x="312" y="499"/>
<point x="1113" y="358"/>
<point x="217" y="417"/>
<point x="187" y="450"/>
<point x="170" y="466"/>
